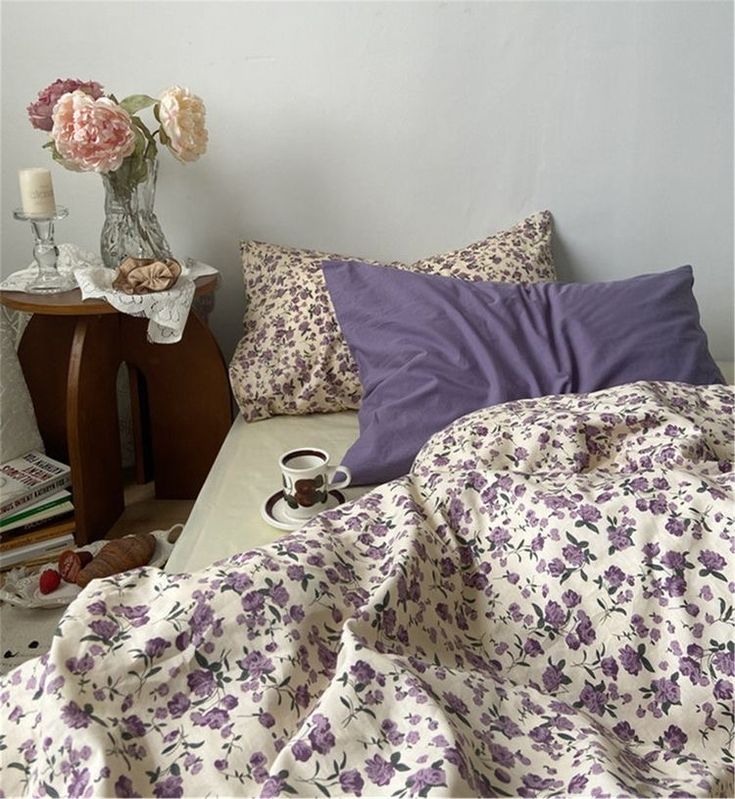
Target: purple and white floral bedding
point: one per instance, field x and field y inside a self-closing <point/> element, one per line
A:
<point x="542" y="607"/>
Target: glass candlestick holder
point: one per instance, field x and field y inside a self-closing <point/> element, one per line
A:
<point x="48" y="279"/>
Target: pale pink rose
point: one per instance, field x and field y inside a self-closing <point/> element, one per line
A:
<point x="39" y="111"/>
<point x="92" y="135"/>
<point x="182" y="118"/>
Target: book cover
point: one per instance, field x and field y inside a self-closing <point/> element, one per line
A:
<point x="40" y="516"/>
<point x="26" y="479"/>
<point x="39" y="531"/>
<point x="57" y="498"/>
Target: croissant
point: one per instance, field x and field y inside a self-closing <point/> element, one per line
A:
<point x="118" y="556"/>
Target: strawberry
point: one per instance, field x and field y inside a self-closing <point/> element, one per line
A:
<point x="49" y="581"/>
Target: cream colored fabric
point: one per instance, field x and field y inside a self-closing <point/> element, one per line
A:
<point x="226" y="516"/>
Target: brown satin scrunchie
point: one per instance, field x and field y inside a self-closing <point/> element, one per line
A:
<point x="146" y="275"/>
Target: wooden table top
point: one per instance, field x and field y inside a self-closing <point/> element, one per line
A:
<point x="70" y="303"/>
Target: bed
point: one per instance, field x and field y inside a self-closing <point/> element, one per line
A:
<point x="538" y="604"/>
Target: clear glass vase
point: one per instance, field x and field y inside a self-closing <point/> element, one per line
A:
<point x="131" y="226"/>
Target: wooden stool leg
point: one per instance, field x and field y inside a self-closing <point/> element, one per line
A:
<point x="93" y="428"/>
<point x="188" y="399"/>
<point x="44" y="356"/>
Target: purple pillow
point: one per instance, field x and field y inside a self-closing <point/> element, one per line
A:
<point x="430" y="349"/>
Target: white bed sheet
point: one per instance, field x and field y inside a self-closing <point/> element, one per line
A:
<point x="226" y="516"/>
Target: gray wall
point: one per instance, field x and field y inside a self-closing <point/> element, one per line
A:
<point x="397" y="130"/>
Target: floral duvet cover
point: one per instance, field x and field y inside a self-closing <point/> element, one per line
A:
<point x="542" y="607"/>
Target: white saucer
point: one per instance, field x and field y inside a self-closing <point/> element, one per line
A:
<point x="274" y="510"/>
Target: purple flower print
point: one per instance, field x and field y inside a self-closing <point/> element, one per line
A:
<point x="675" y="585"/>
<point x="320" y="735"/>
<point x="73" y="716"/>
<point x="378" y="770"/>
<point x="201" y="682"/>
<point x="178" y="705"/>
<point x="675" y="527"/>
<point x="104" y="628"/>
<point x="280" y="595"/>
<point x="614" y="576"/>
<point x="78" y="783"/>
<point x="723" y="690"/>
<point x="301" y="751"/>
<point x="124" y="788"/>
<point x="712" y="561"/>
<point x="630" y="660"/>
<point x="554" y="614"/>
<point x="675" y="738"/>
<point x="256" y="664"/>
<point x="137" y="615"/>
<point x="724" y="663"/>
<point x="390" y="730"/>
<point x="172" y="786"/>
<point x="593" y="699"/>
<point x="266" y="719"/>
<point x="556" y="567"/>
<point x="666" y="691"/>
<point x="215" y="719"/>
<point x="574" y="555"/>
<point x="363" y="672"/>
<point x="540" y="734"/>
<point x="252" y="602"/>
<point x="273" y="786"/>
<point x="532" y="647"/>
<point x="134" y="726"/>
<point x="609" y="667"/>
<point x="533" y="784"/>
<point x="584" y="629"/>
<point x="425" y="778"/>
<point x="571" y="598"/>
<point x="351" y="782"/>
<point x="674" y="560"/>
<point x="577" y="784"/>
<point x="624" y="731"/>
<point x="454" y="703"/>
<point x="98" y="608"/>
<point x="589" y="514"/>
<point x="552" y="678"/>
<point x="650" y="551"/>
<point x="155" y="647"/>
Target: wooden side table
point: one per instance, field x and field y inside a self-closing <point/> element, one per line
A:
<point x="70" y="353"/>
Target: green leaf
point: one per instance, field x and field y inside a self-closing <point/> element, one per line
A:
<point x="137" y="102"/>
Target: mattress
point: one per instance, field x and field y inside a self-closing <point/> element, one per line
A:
<point x="226" y="516"/>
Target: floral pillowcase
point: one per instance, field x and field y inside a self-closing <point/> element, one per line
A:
<point x="293" y="359"/>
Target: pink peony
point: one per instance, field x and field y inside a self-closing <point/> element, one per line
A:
<point x="181" y="115"/>
<point x="92" y="135"/>
<point x="39" y="112"/>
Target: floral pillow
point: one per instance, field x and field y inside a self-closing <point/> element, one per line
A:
<point x="293" y="359"/>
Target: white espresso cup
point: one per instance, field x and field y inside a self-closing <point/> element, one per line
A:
<point x="307" y="481"/>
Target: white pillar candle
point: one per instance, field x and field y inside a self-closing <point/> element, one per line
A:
<point x="37" y="192"/>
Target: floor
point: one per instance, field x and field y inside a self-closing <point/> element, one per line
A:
<point x="27" y="633"/>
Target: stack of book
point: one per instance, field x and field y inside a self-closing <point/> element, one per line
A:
<point x="36" y="512"/>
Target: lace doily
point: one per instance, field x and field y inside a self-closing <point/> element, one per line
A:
<point x="167" y="310"/>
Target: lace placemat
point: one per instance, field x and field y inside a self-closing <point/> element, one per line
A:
<point x="167" y="311"/>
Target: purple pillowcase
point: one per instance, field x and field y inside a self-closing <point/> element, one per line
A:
<point x="430" y="349"/>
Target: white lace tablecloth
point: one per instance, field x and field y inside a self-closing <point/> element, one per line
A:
<point x="167" y="311"/>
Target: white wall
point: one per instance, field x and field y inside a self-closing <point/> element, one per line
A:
<point x="397" y="130"/>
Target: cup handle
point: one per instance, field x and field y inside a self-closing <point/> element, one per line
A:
<point x="340" y="483"/>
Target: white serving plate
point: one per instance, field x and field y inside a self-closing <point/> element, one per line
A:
<point x="20" y="586"/>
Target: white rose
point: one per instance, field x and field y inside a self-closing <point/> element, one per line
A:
<point x="182" y="118"/>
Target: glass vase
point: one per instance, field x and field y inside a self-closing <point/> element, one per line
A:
<point x="131" y="226"/>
